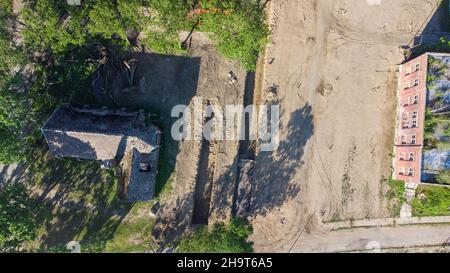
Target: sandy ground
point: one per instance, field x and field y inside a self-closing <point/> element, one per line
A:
<point x="336" y="68"/>
<point x="203" y="180"/>
<point x="367" y="238"/>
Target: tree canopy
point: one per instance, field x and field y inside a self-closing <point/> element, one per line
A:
<point x="50" y="49"/>
<point x="17" y="212"/>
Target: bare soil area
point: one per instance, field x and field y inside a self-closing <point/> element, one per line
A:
<point x="198" y="176"/>
<point x="336" y="65"/>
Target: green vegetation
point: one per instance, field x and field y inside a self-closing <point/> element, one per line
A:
<point x="51" y="62"/>
<point x="432" y="123"/>
<point x="17" y="212"/>
<point x="81" y="202"/>
<point x="134" y="233"/>
<point x="238" y="26"/>
<point x="429" y="128"/>
<point x="431" y="201"/>
<point x="13" y="102"/>
<point x="63" y="45"/>
<point x="231" y="238"/>
<point x="443" y="177"/>
<point x="395" y="195"/>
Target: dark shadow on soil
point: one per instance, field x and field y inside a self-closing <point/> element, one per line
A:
<point x="202" y="195"/>
<point x="275" y="170"/>
<point x="173" y="222"/>
<point x="162" y="81"/>
<point x="429" y="39"/>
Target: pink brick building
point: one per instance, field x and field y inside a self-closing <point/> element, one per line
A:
<point x="409" y="135"/>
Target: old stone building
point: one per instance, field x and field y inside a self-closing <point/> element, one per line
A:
<point x="112" y="138"/>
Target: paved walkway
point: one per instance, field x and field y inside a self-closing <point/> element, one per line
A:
<point x="386" y="222"/>
<point x="363" y="239"/>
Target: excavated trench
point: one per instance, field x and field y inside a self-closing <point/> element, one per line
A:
<point x="205" y="176"/>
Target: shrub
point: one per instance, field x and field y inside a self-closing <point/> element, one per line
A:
<point x="17" y="215"/>
<point x="231" y="238"/>
<point x="431" y="201"/>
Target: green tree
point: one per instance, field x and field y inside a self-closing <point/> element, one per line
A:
<point x="13" y="101"/>
<point x="431" y="201"/>
<point x="17" y="212"/>
<point x="53" y="26"/>
<point x="231" y="238"/>
<point x="239" y="27"/>
<point x="110" y="18"/>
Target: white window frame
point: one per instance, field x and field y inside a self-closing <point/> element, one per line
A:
<point x="415" y="99"/>
<point x="402" y="156"/>
<point x="406" y="103"/>
<point x="417" y="67"/>
<point x="408" y="70"/>
<point x="403" y="139"/>
<point x="411" y="156"/>
<point x="407" y="85"/>
<point x="411" y="171"/>
<point x="413" y="137"/>
<point x="414" y="123"/>
<point x="401" y="171"/>
<point x="415" y="114"/>
<point x="416" y="82"/>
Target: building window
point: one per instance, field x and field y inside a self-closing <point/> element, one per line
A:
<point x="403" y="139"/>
<point x="414" y="115"/>
<point x="411" y="172"/>
<point x="401" y="171"/>
<point x="407" y="71"/>
<point x="416" y="99"/>
<point x="414" y="123"/>
<point x="406" y="85"/>
<point x="406" y="102"/>
<point x="402" y="156"/>
<point x="417" y="67"/>
<point x="411" y="157"/>
<point x="416" y="82"/>
<point x="413" y="139"/>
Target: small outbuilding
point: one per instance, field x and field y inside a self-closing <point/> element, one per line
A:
<point x="111" y="137"/>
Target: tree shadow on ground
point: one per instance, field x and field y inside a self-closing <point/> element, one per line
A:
<point x="429" y="38"/>
<point x="80" y="200"/>
<point x="274" y="171"/>
<point x="272" y="185"/>
<point x="172" y="223"/>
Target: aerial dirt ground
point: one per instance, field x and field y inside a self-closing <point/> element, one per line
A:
<point x="203" y="178"/>
<point x="335" y="64"/>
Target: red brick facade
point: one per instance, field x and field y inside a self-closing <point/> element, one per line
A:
<point x="411" y="95"/>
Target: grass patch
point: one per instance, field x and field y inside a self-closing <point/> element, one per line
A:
<point x="395" y="196"/>
<point x="134" y="232"/>
<point x="431" y="201"/>
<point x="82" y="203"/>
<point x="224" y="238"/>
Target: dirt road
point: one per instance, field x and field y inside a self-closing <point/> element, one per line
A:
<point x="335" y="63"/>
